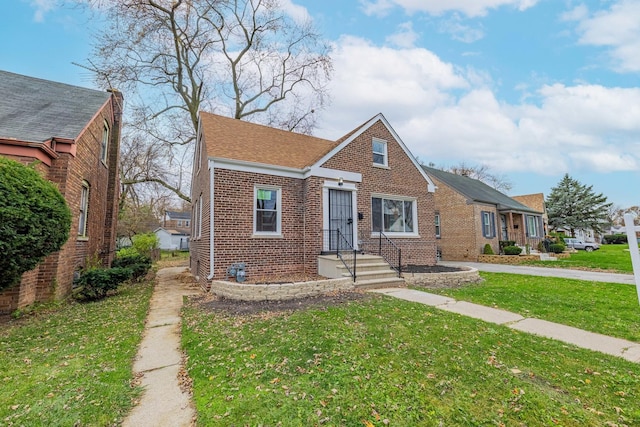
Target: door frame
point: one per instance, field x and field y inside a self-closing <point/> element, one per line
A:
<point x="345" y="186"/>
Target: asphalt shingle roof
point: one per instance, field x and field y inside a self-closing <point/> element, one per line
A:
<point x="35" y="110"/>
<point x="478" y="191"/>
<point x="228" y="138"/>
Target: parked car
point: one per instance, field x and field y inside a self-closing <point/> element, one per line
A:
<point x="580" y="244"/>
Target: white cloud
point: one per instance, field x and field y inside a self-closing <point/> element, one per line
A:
<point x="438" y="7"/>
<point x="460" y="31"/>
<point x="405" y="37"/>
<point x="41" y="8"/>
<point x="446" y="115"/>
<point x="297" y="12"/>
<point x="617" y="28"/>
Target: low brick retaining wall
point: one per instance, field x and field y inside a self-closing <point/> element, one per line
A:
<point x="279" y="292"/>
<point x="516" y="259"/>
<point x="449" y="279"/>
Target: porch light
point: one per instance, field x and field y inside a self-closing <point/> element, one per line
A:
<point x="340" y="181"/>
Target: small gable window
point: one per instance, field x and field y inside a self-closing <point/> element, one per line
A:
<point x="488" y="224"/>
<point x="379" y="152"/>
<point x="105" y="142"/>
<point x="268" y="210"/>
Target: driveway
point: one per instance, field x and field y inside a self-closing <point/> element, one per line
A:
<point x="594" y="276"/>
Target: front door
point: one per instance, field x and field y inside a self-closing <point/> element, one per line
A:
<point x="340" y="218"/>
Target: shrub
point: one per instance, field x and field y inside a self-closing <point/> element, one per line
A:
<point x="146" y="244"/>
<point x="512" y="250"/>
<point x="138" y="264"/>
<point x="96" y="283"/>
<point x="503" y="243"/>
<point x="488" y="250"/>
<point x="34" y="220"/>
<point x="557" y="248"/>
<point x="616" y="239"/>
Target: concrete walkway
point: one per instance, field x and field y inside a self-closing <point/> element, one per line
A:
<point x="594" y="276"/>
<point x="159" y="358"/>
<point x="614" y="346"/>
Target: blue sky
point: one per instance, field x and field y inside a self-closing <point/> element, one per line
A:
<point x="532" y="88"/>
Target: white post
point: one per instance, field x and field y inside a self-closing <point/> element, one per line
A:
<point x="632" y="239"/>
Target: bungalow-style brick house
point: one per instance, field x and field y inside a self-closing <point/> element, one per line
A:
<point x="72" y="135"/>
<point x="266" y="197"/>
<point x="176" y="220"/>
<point x="469" y="214"/>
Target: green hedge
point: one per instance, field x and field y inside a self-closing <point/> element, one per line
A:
<point x="512" y="250"/>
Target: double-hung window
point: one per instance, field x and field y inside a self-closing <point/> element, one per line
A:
<point x="393" y="215"/>
<point x="437" y="221"/>
<point x="379" y="147"/>
<point x="532" y="226"/>
<point x="267" y="211"/>
<point x="84" y="210"/>
<point x="488" y="224"/>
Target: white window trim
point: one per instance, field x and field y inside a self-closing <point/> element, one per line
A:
<point x="200" y="217"/>
<point x="84" y="211"/>
<point x="278" y="190"/>
<point x="104" y="144"/>
<point x="414" y="208"/>
<point x="385" y="153"/>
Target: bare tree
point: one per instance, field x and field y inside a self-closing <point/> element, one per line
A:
<point x="248" y="59"/>
<point x="481" y="173"/>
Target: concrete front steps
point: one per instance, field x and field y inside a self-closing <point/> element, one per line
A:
<point x="372" y="271"/>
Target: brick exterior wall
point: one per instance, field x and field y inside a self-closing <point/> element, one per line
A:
<point x="53" y="277"/>
<point x="461" y="236"/>
<point x="296" y="251"/>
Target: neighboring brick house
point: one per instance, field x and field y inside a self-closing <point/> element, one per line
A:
<point x="469" y="214"/>
<point x="73" y="135"/>
<point x="179" y="221"/>
<point x="267" y="197"/>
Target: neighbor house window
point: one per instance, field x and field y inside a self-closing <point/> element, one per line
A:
<point x="437" y="221"/>
<point x="379" y="152"/>
<point x="488" y="224"/>
<point x="84" y="210"/>
<point x="179" y="223"/>
<point x="391" y="215"/>
<point x="532" y="226"/>
<point x="105" y="141"/>
<point x="186" y="222"/>
<point x="267" y="210"/>
<point x="200" y="217"/>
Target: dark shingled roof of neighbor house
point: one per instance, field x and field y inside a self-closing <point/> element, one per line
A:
<point x="478" y="191"/>
<point x="36" y="110"/>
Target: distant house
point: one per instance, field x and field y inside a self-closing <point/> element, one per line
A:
<point x="277" y="200"/>
<point x="173" y="240"/>
<point x="180" y="221"/>
<point x="73" y="135"/>
<point x="470" y="214"/>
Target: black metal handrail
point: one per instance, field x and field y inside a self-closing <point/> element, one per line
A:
<point x="339" y="244"/>
<point x="390" y="252"/>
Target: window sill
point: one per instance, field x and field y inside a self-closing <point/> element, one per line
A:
<point x="82" y="238"/>
<point x="377" y="165"/>
<point x="266" y="236"/>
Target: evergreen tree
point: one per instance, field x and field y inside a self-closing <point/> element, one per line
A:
<point x="572" y="205"/>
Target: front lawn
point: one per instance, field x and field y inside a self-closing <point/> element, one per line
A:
<point x="381" y="361"/>
<point x="614" y="258"/>
<point x="73" y="366"/>
<point x="606" y="308"/>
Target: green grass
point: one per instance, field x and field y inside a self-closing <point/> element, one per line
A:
<point x="384" y="361"/>
<point x="615" y="258"/>
<point x="607" y="308"/>
<point x="166" y="255"/>
<point x="72" y="366"/>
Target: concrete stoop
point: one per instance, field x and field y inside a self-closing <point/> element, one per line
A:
<point x="372" y="271"/>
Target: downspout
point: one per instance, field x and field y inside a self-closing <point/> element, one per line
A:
<point x="211" y="210"/>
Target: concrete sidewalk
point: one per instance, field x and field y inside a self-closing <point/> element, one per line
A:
<point x="614" y="346"/>
<point x="594" y="276"/>
<point x="159" y="358"/>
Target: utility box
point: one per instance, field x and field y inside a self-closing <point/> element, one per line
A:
<point x="237" y="271"/>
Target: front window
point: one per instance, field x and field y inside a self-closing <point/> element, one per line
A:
<point x="437" y="220"/>
<point x="488" y="224"/>
<point x="84" y="210"/>
<point x="268" y="210"/>
<point x="105" y="142"/>
<point x="393" y="215"/>
<point x="532" y="226"/>
<point x="379" y="152"/>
